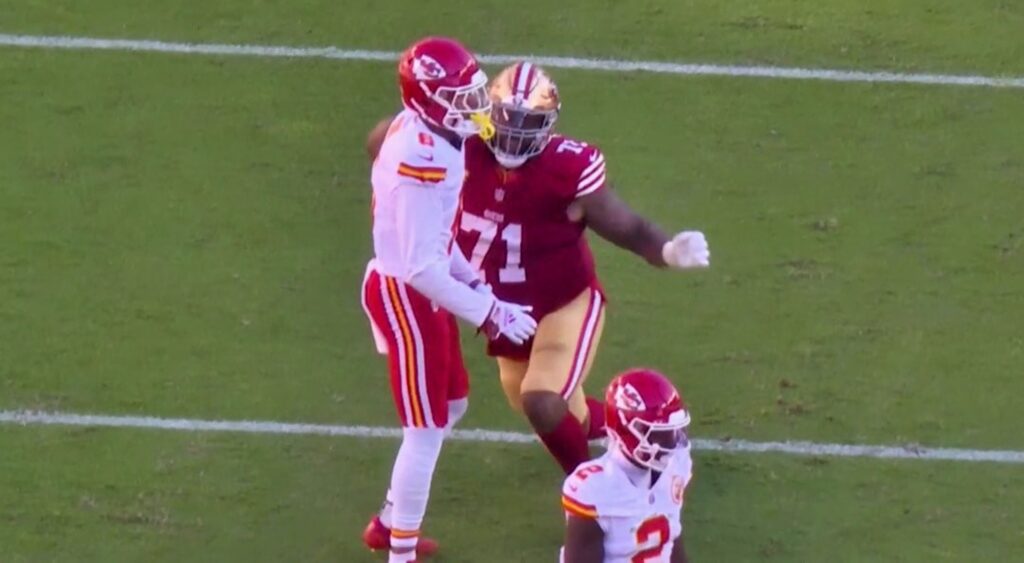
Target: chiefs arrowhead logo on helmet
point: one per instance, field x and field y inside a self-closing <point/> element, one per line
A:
<point x="426" y="68"/>
<point x="442" y="82"/>
<point x="627" y="398"/>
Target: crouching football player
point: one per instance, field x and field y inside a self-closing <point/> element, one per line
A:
<point x="626" y="505"/>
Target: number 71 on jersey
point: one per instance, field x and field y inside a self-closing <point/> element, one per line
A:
<point x="510" y="233"/>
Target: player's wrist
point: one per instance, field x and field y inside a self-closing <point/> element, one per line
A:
<point x="668" y="254"/>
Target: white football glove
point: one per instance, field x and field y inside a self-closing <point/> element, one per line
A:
<point x="688" y="249"/>
<point x="509" y="320"/>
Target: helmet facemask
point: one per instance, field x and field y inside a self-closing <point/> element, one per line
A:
<point x="520" y="132"/>
<point x="526" y="106"/>
<point x="467" y="107"/>
<point x="656" y="442"/>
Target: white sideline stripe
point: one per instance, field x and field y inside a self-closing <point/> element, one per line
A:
<point x="26" y="418"/>
<point x="610" y="65"/>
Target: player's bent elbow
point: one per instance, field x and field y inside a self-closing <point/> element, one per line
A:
<point x="375" y="139"/>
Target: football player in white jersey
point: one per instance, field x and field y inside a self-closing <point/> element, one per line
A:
<point x="626" y="506"/>
<point x="419" y="281"/>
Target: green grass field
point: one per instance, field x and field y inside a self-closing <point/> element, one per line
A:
<point x="184" y="236"/>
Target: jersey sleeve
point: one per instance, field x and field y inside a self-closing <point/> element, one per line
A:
<point x="424" y="253"/>
<point x="417" y="161"/>
<point x="461" y="269"/>
<point x="425" y="175"/>
<point x="581" y="167"/>
<point x="411" y="170"/>
<point x="413" y="155"/>
<point x="419" y="227"/>
<point x="592" y="178"/>
<point x="579" y="493"/>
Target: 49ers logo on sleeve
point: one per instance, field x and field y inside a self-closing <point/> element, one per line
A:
<point x="425" y="67"/>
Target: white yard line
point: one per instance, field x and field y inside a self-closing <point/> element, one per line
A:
<point x="32" y="418"/>
<point x="609" y="65"/>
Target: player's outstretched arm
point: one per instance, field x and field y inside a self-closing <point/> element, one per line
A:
<point x="616" y="222"/>
<point x="679" y="551"/>
<point x="584" y="541"/>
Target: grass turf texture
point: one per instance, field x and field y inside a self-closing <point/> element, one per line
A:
<point x="185" y="236"/>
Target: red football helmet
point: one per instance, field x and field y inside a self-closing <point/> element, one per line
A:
<point x="442" y="82"/>
<point x="645" y="417"/>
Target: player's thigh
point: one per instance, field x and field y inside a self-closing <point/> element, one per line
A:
<point x="577" y="399"/>
<point x="512" y="372"/>
<point x="419" y="354"/>
<point x="458" y="375"/>
<point x="577" y="402"/>
<point x="565" y="345"/>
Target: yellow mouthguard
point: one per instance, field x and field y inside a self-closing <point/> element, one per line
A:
<point x="484" y="122"/>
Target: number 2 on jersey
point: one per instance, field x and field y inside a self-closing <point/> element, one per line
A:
<point x="658" y="527"/>
<point x="511" y="233"/>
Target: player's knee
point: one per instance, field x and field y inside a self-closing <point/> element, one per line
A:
<point x="423" y="445"/>
<point x="544" y="409"/>
<point x="456" y="410"/>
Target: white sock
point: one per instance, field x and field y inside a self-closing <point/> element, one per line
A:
<point x="411" y="477"/>
<point x="386" y="509"/>
<point x="456" y="410"/>
<point x="407" y="555"/>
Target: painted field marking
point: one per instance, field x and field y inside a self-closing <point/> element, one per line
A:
<point x="608" y="65"/>
<point x="37" y="418"/>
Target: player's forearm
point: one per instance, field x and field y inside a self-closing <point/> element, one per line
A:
<point x="461" y="269"/>
<point x="638" y="235"/>
<point x="436" y="283"/>
<point x="679" y="552"/>
<point x="584" y="541"/>
<point x="426" y="263"/>
<point x="585" y="553"/>
<point x="616" y="222"/>
<point x="647" y="239"/>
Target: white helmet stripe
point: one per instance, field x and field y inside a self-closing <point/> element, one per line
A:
<point x="524" y="78"/>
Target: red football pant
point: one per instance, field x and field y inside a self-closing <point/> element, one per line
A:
<point x="424" y="353"/>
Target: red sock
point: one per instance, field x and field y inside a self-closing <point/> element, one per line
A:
<point x="596" y="408"/>
<point x="567" y="443"/>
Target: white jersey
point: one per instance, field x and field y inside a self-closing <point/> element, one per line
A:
<point x="640" y="522"/>
<point x="417" y="186"/>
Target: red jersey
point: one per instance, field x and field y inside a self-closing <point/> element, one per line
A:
<point x="515" y="227"/>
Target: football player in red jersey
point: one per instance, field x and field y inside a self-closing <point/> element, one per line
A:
<point x="529" y="197"/>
